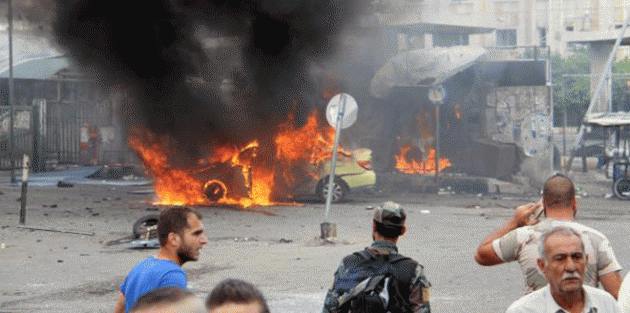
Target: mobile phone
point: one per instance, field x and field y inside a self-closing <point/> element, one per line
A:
<point x="540" y="211"/>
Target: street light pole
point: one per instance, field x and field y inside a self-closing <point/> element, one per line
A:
<point x="11" y="100"/>
<point x="436" y="95"/>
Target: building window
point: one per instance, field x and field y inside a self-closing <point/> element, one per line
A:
<point x="506" y="37"/>
<point x="450" y="39"/>
<point x="543" y="37"/>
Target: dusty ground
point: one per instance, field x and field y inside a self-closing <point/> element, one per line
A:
<point x="56" y="272"/>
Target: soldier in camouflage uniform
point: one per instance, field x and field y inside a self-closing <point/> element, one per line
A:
<point x="519" y="238"/>
<point x="388" y="225"/>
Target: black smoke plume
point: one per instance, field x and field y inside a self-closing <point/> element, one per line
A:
<point x="155" y="50"/>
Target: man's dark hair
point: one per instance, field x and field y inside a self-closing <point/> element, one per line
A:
<point x="388" y="231"/>
<point x="558" y="191"/>
<point x="235" y="291"/>
<point x="173" y="220"/>
<point x="161" y="296"/>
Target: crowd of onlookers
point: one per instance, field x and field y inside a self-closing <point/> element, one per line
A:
<point x="563" y="263"/>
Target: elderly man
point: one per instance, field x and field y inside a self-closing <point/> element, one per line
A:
<point x="563" y="262"/>
<point x="409" y="293"/>
<point x="518" y="239"/>
<point x="181" y="236"/>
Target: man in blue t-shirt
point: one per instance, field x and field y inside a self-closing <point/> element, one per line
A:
<point x="181" y="236"/>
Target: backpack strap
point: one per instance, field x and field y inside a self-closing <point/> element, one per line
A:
<point x="365" y="254"/>
<point x="397" y="258"/>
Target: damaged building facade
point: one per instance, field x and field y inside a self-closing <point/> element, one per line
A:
<point x="496" y="118"/>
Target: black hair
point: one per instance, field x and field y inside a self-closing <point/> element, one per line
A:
<point x="388" y="231"/>
<point x="173" y="220"/>
<point x="235" y="291"/>
<point x="163" y="295"/>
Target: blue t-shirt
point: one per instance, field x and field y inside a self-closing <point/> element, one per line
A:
<point x="150" y="274"/>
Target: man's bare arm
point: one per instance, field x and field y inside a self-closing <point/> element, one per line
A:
<point x="611" y="283"/>
<point x="120" y="303"/>
<point x="485" y="252"/>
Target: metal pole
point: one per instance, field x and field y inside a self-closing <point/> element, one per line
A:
<point x="331" y="180"/>
<point x="437" y="142"/>
<point x="11" y="100"/>
<point x="24" y="188"/>
<point x="564" y="134"/>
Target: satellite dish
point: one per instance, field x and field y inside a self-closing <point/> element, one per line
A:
<point x="349" y="114"/>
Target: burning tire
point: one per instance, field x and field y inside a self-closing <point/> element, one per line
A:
<point x="621" y="188"/>
<point x="215" y="190"/>
<point x="339" y="190"/>
<point x="142" y="225"/>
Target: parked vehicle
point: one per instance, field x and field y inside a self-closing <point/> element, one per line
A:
<point x="353" y="174"/>
<point x="617" y="123"/>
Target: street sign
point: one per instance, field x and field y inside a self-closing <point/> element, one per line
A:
<point x="349" y="113"/>
<point x="437" y="94"/>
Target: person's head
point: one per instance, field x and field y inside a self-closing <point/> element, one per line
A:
<point x="180" y="229"/>
<point x="389" y="221"/>
<point x="562" y="260"/>
<point x="559" y="193"/>
<point x="168" y="299"/>
<point x="236" y="296"/>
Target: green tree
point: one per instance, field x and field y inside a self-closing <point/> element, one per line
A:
<point x="620" y="98"/>
<point x="571" y="85"/>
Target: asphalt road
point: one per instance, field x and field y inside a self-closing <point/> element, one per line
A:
<point x="276" y="247"/>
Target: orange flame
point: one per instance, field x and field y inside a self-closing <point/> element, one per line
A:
<point x="307" y="142"/>
<point x="418" y="166"/>
<point x="310" y="143"/>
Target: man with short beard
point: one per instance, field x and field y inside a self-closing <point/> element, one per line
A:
<point x="563" y="262"/>
<point x="181" y="236"/>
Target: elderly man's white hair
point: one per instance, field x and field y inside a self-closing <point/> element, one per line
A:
<point x="569" y="232"/>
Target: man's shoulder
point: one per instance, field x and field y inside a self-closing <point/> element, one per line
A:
<point x="532" y="302"/>
<point x="601" y="299"/>
<point x="151" y="264"/>
<point x="598" y="293"/>
<point x="369" y="254"/>
<point x="550" y="223"/>
<point x="587" y="230"/>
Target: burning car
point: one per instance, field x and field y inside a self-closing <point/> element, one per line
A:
<point x="294" y="163"/>
<point x="353" y="174"/>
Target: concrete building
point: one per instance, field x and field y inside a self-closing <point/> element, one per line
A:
<point x="553" y="23"/>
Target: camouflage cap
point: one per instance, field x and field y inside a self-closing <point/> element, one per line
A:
<point x="390" y="214"/>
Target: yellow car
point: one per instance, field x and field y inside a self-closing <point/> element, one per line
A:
<point x="353" y="174"/>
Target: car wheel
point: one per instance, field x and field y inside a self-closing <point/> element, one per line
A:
<point x="621" y="188"/>
<point x="339" y="192"/>
<point x="215" y="190"/>
<point x="142" y="225"/>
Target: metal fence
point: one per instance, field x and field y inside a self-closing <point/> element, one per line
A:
<point x="22" y="136"/>
<point x="67" y="129"/>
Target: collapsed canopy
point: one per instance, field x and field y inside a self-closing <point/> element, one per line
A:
<point x="423" y="67"/>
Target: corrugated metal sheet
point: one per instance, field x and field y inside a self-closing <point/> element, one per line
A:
<point x="45" y="68"/>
